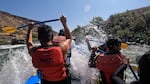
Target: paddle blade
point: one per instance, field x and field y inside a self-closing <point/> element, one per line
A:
<point x="9" y="30"/>
<point x="124" y="45"/>
<point x="135" y="67"/>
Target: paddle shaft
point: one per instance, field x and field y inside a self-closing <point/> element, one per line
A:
<point x="133" y="72"/>
<point x="40" y="22"/>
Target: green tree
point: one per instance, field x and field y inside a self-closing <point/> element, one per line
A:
<point x="139" y="24"/>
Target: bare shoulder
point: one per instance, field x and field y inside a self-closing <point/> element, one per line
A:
<point x="59" y="38"/>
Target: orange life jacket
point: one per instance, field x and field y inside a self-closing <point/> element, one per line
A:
<point x="108" y="64"/>
<point x="50" y="62"/>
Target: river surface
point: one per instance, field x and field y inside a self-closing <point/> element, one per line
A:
<point x="16" y="66"/>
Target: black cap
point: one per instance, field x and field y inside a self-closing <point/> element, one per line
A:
<point x="113" y="42"/>
<point x="61" y="32"/>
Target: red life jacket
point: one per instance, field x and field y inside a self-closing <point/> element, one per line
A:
<point x="108" y="64"/>
<point x="50" y="62"/>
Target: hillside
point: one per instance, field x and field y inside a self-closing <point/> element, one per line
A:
<point x="131" y="25"/>
<point x="10" y="20"/>
<point x="7" y="19"/>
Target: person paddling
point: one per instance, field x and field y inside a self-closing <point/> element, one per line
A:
<point x="143" y="70"/>
<point x="94" y="53"/>
<point x="108" y="62"/>
<point x="49" y="58"/>
<point x="58" y="40"/>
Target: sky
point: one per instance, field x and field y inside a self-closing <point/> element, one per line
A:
<point x="78" y="12"/>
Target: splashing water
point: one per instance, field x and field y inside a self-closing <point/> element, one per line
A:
<point x="79" y="61"/>
<point x="16" y="66"/>
<point x="132" y="52"/>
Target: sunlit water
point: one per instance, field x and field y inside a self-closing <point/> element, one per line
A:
<point x="16" y="66"/>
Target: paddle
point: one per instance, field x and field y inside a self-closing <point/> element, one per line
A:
<point x="10" y="30"/>
<point x="134" y="67"/>
<point x="133" y="72"/>
<point x="124" y="46"/>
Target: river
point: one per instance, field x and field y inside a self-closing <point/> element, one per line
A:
<point x="16" y="66"/>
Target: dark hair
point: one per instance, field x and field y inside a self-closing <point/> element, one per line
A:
<point x="144" y="65"/>
<point x="103" y="47"/>
<point x="45" y="33"/>
<point x="61" y="32"/>
<point x="112" y="42"/>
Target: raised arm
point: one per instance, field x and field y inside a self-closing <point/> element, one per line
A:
<point x="66" y="45"/>
<point x="88" y="43"/>
<point x="29" y="40"/>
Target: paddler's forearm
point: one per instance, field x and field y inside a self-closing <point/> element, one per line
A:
<point x="67" y="31"/>
<point x="88" y="43"/>
<point x="29" y="41"/>
<point x="29" y="36"/>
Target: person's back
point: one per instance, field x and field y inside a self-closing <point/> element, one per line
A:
<point x="143" y="70"/>
<point x="58" y="40"/>
<point x="108" y="62"/>
<point x="49" y="58"/>
<point x="94" y="52"/>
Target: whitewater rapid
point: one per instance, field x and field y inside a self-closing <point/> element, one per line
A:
<point x="16" y="66"/>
